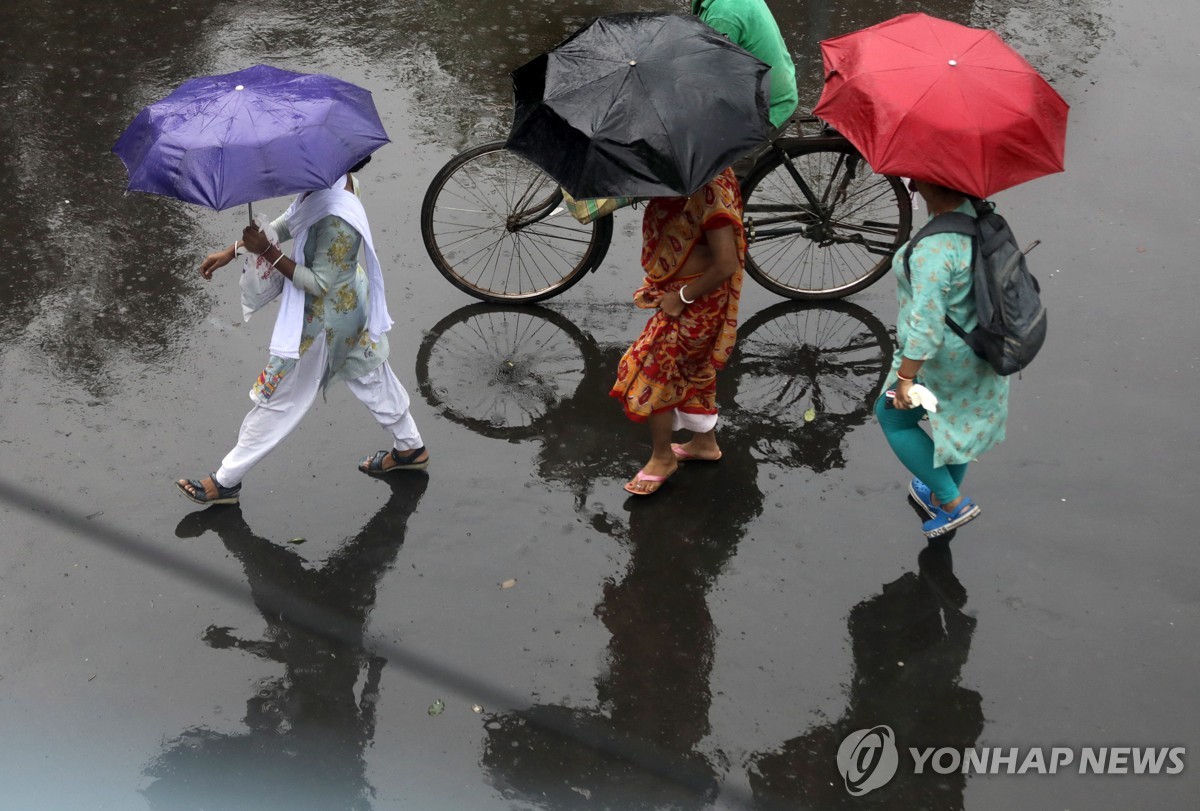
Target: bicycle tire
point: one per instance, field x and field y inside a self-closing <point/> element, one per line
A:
<point x="501" y="371"/>
<point x="467" y="224"/>
<point x="783" y="257"/>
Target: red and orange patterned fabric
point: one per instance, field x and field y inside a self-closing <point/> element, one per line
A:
<point x="674" y="362"/>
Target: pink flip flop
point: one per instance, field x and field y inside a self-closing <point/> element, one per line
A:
<point x="685" y="456"/>
<point x="643" y="476"/>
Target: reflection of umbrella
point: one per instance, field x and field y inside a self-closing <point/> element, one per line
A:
<point x="221" y="141"/>
<point x="639" y="105"/>
<point x="927" y="98"/>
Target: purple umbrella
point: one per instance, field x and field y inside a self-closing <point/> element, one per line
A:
<point x="221" y="141"/>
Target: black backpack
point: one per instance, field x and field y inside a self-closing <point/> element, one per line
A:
<point x="1012" y="320"/>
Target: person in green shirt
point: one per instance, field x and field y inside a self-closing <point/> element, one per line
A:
<point x="750" y="24"/>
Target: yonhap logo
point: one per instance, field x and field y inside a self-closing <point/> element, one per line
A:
<point x="868" y="759"/>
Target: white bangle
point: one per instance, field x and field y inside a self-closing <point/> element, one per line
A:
<point x="684" y="298"/>
<point x="277" y="258"/>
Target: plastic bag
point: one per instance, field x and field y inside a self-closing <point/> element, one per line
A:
<point x="260" y="282"/>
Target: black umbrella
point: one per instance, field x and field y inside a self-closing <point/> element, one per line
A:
<point x="639" y="105"/>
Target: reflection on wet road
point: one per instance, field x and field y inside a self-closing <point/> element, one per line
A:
<point x="717" y="642"/>
<point x="308" y="729"/>
<point x="910" y="643"/>
<point x="803" y="375"/>
<point x="655" y="684"/>
<point x="531" y="374"/>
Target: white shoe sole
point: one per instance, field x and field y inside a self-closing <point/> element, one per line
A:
<point x="969" y="515"/>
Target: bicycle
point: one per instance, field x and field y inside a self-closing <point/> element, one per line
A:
<point x="820" y="224"/>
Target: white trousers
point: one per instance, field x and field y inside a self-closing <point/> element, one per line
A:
<point x="696" y="423"/>
<point x="267" y="425"/>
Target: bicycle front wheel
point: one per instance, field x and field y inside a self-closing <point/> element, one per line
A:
<point x="836" y="247"/>
<point x="495" y="226"/>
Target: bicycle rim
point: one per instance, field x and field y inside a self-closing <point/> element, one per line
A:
<point x="494" y="225"/>
<point x="795" y="251"/>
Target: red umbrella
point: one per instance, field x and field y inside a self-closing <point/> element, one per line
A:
<point x="927" y="98"/>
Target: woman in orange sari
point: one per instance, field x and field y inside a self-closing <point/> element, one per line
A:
<point x="693" y="253"/>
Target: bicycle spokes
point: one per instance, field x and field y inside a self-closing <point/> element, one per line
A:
<point x="495" y="226"/>
<point x="819" y="222"/>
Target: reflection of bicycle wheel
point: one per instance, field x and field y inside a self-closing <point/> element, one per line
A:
<point x="501" y="370"/>
<point x="805" y="373"/>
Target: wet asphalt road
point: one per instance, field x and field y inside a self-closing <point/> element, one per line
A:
<point x="709" y="648"/>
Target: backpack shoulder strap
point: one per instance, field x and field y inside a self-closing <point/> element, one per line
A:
<point x="950" y="222"/>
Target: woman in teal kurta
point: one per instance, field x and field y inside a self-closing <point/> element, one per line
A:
<point x="972" y="400"/>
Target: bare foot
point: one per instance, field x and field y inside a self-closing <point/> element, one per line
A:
<point x="697" y="451"/>
<point x="651" y="477"/>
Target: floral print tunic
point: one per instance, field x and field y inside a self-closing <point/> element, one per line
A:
<point x="335" y="303"/>
<point x="972" y="398"/>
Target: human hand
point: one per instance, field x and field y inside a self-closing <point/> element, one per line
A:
<point x="903" y="397"/>
<point x="255" y="239"/>
<point x="672" y="304"/>
<point x="216" y="260"/>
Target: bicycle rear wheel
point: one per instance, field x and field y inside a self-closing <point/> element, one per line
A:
<point x="494" y="225"/>
<point x="839" y="247"/>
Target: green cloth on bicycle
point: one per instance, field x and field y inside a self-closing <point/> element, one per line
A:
<point x="750" y="24"/>
<point x="972" y="406"/>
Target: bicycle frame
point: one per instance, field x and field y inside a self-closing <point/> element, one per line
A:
<point x="522" y="216"/>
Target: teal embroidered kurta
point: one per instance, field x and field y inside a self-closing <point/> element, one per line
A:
<point x="972" y="399"/>
<point x="335" y="304"/>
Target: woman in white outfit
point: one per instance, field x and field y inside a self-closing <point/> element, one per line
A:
<point x="331" y="326"/>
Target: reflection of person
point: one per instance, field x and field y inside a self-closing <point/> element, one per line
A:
<point x="331" y="327"/>
<point x="641" y="745"/>
<point x="750" y="24"/>
<point x="972" y="406"/>
<point x="693" y="252"/>
<point x="909" y="643"/>
<point x="308" y="727"/>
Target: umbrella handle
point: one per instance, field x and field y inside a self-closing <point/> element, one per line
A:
<point x="250" y="210"/>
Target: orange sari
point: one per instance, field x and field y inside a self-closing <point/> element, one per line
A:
<point x="674" y="362"/>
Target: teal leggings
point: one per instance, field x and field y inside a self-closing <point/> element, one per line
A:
<point x="914" y="448"/>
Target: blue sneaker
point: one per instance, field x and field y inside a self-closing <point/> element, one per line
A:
<point x="944" y="522"/>
<point x="923" y="496"/>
